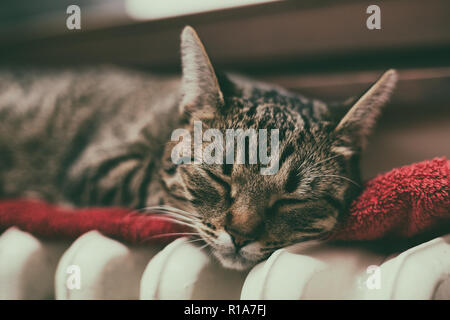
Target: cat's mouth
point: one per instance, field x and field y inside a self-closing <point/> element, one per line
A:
<point x="232" y="257"/>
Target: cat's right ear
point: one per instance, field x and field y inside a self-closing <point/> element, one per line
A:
<point x="359" y="121"/>
<point x="201" y="92"/>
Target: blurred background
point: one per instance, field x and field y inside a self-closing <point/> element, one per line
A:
<point x="321" y="48"/>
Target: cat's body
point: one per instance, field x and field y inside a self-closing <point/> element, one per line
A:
<point x="101" y="136"/>
<point x="60" y="129"/>
<point x="65" y="132"/>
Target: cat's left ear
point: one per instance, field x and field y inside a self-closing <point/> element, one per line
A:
<point x="359" y="121"/>
<point x="200" y="88"/>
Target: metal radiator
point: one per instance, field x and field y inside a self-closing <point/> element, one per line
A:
<point x="97" y="267"/>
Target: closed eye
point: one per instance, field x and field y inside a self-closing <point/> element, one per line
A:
<point x="309" y="230"/>
<point x="287" y="202"/>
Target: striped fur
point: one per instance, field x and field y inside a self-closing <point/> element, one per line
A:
<point x="88" y="137"/>
<point x="100" y="136"/>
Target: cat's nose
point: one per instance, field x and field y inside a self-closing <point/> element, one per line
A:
<point x="239" y="239"/>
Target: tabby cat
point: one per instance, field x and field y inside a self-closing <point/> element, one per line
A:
<point x="101" y="136"/>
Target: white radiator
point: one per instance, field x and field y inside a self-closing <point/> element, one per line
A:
<point x="97" y="267"/>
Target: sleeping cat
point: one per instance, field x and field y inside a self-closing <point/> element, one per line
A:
<point x="101" y="136"/>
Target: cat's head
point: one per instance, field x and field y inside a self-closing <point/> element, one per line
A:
<point x="245" y="215"/>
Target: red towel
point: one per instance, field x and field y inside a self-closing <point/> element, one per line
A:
<point x="402" y="203"/>
<point x="50" y="221"/>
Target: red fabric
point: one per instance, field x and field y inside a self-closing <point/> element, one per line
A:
<point x="49" y="221"/>
<point x="401" y="203"/>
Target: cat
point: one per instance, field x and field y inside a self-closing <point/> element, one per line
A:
<point x="101" y="136"/>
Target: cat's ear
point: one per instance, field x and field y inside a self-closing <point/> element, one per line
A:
<point x="358" y="122"/>
<point x="200" y="88"/>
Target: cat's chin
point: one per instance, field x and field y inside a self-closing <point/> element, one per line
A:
<point x="235" y="261"/>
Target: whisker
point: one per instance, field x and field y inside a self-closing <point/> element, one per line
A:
<point x="173" y="215"/>
<point x="171" y="209"/>
<point x="184" y="221"/>
<point x="166" y="207"/>
<point x="337" y="176"/>
<point x="195" y="240"/>
<point x="190" y="225"/>
<point x="210" y="233"/>
<point x="327" y="159"/>
<point x="198" y="227"/>
<point x="184" y="217"/>
<point x="172" y="234"/>
<point x="309" y="156"/>
<point x="306" y="161"/>
<point x="173" y="220"/>
<point x="204" y="246"/>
